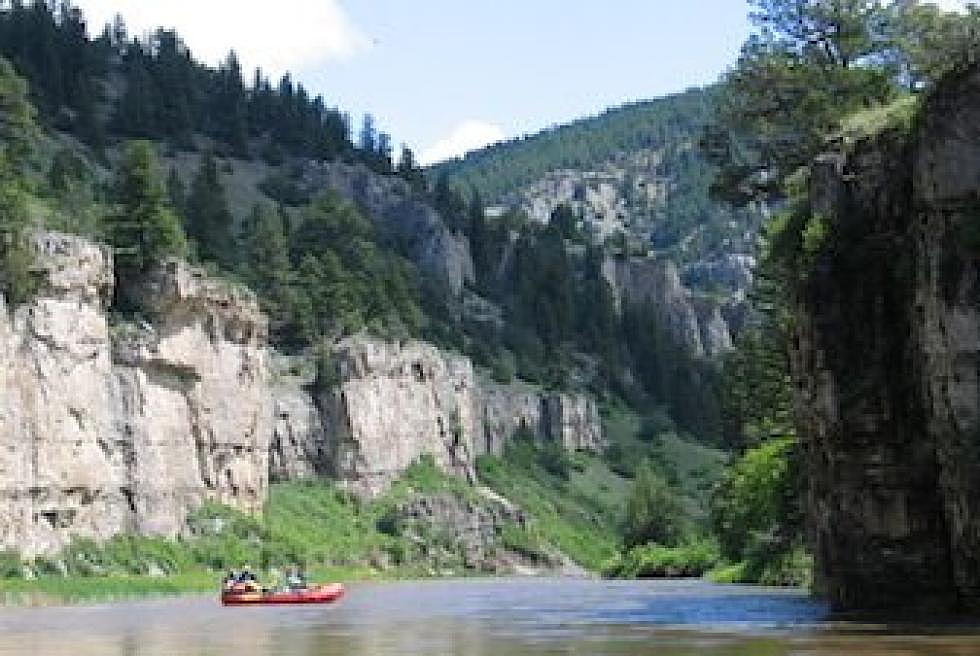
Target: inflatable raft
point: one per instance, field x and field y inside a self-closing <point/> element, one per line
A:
<point x="319" y="594"/>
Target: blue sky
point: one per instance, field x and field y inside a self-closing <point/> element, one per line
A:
<point x="514" y="66"/>
<point x="445" y="74"/>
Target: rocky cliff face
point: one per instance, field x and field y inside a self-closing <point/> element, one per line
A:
<point x="109" y="428"/>
<point x="392" y="403"/>
<point x="695" y="322"/>
<point x="413" y="225"/>
<point x="102" y="433"/>
<point x="886" y="364"/>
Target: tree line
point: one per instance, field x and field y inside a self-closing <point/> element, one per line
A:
<point x="118" y="86"/>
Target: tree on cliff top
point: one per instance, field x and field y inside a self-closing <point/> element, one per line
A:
<point x="809" y="64"/>
<point x="209" y="222"/>
<point x="17" y="127"/>
<point x="142" y="226"/>
<point x="17" y="131"/>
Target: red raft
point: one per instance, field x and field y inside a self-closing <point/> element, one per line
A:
<point x="319" y="594"/>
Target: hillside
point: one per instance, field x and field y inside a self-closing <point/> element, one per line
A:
<point x="635" y="170"/>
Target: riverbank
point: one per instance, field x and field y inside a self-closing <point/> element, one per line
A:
<point x="63" y="590"/>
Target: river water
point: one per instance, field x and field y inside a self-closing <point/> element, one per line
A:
<point x="498" y="617"/>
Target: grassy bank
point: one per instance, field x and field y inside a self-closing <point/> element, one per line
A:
<point x="574" y="500"/>
<point x="333" y="534"/>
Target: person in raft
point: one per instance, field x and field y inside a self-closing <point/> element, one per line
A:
<point x="296" y="580"/>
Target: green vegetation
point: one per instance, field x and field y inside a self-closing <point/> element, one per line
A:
<point x="327" y="530"/>
<point x="584" y="144"/>
<point x="693" y="558"/>
<point x="574" y="500"/>
<point x="143" y="227"/>
<point x="166" y="95"/>
<point x="646" y="520"/>
<point x="812" y="68"/>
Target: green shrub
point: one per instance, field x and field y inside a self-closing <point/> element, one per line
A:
<point x="654" y="512"/>
<point x="11" y="564"/>
<point x="755" y="497"/>
<point x="693" y="558"/>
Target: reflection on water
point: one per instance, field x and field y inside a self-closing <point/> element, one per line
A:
<point x="525" y="617"/>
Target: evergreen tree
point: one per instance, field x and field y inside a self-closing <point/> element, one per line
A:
<point x="449" y="203"/>
<point x="230" y="110"/>
<point x="409" y="170"/>
<point x="481" y="248"/>
<point x="265" y="266"/>
<point x="136" y="112"/>
<point x="368" y="140"/>
<point x="17" y="122"/>
<point x="209" y="222"/>
<point x="17" y="133"/>
<point x="142" y="227"/>
<point x="177" y="193"/>
<point x="564" y="220"/>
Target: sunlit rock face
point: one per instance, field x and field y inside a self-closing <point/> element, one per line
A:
<point x="886" y="364"/>
<point x="126" y="426"/>
<point x="110" y="430"/>
<point x="394" y="402"/>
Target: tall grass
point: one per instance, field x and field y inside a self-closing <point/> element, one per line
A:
<point x="575" y="504"/>
<point x="331" y="533"/>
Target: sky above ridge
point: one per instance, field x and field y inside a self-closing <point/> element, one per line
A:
<point x="445" y="76"/>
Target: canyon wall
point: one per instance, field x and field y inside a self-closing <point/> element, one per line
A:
<point x="694" y="321"/>
<point x="102" y="433"/>
<point x="886" y="356"/>
<point x="390" y="403"/>
<point x="125" y="426"/>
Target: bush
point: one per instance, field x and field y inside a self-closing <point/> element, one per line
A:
<point x="654" y="513"/>
<point x="690" y="559"/>
<point x="11" y="565"/>
<point x="755" y="497"/>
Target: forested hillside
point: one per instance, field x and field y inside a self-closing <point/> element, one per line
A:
<point x="634" y="173"/>
<point x="583" y="144"/>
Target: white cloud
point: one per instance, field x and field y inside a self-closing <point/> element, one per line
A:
<point x="468" y="135"/>
<point x="949" y="5"/>
<point x="279" y="36"/>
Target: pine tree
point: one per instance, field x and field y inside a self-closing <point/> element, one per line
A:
<point x="209" y="222"/>
<point x="17" y="133"/>
<point x="367" y="141"/>
<point x="409" y="170"/>
<point x="230" y="111"/>
<point x="479" y="234"/>
<point x="265" y="265"/>
<point x="17" y="121"/>
<point x="177" y="193"/>
<point x="142" y="227"/>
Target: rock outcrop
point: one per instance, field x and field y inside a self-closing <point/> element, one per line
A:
<point x="401" y="217"/>
<point x="104" y="431"/>
<point x="391" y="403"/>
<point x="109" y="428"/>
<point x="886" y="359"/>
<point x="695" y="323"/>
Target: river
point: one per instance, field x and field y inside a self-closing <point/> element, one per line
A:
<point x="483" y="617"/>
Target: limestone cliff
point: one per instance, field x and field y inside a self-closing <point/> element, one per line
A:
<point x="106" y="431"/>
<point x="695" y="322"/>
<point x="391" y="403"/>
<point x="125" y="426"/>
<point x="886" y="354"/>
